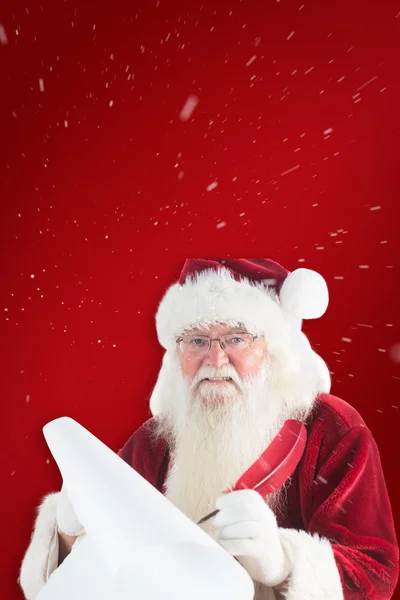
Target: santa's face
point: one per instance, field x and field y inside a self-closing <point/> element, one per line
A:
<point x="224" y="409"/>
<point x="216" y="375"/>
<point x="218" y="428"/>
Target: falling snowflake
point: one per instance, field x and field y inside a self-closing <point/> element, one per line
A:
<point x="3" y="35"/>
<point x="251" y="60"/>
<point x="41" y="85"/>
<point x="221" y="224"/>
<point x="328" y="131"/>
<point x="212" y="186"/>
<point x="290" y="170"/>
<point x="188" y="108"/>
<point x="394" y="353"/>
<point x="367" y="83"/>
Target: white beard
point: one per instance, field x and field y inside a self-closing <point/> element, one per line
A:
<point x="213" y="441"/>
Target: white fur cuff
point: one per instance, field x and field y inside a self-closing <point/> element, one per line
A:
<point x="314" y="574"/>
<point x="41" y="557"/>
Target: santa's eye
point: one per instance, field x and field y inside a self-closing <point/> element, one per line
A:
<point x="198" y="342"/>
<point x="238" y="341"/>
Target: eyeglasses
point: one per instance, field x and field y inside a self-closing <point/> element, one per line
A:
<point x="231" y="343"/>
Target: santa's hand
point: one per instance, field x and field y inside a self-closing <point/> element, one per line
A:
<point x="248" y="530"/>
<point x="67" y="521"/>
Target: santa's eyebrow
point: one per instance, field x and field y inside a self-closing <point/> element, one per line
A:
<point x="235" y="331"/>
<point x="230" y="332"/>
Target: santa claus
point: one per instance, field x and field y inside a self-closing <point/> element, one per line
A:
<point x="236" y="367"/>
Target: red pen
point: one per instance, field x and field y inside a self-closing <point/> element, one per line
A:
<point x="275" y="465"/>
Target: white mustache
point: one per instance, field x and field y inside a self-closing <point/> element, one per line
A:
<point x="208" y="372"/>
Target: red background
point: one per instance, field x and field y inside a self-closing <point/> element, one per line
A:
<point x="101" y="204"/>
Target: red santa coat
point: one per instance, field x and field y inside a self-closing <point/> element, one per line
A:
<point x="338" y="492"/>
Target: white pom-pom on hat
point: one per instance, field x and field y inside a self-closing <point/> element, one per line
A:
<point x="304" y="294"/>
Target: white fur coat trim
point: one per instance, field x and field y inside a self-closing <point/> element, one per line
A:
<point x="41" y="557"/>
<point x="314" y="575"/>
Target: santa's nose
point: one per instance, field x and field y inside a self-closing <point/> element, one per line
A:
<point x="216" y="356"/>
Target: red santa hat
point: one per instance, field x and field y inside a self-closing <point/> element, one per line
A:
<point x="258" y="294"/>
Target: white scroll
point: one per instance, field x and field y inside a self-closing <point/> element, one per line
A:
<point x="138" y="545"/>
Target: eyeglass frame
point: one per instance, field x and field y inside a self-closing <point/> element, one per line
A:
<point x="211" y="340"/>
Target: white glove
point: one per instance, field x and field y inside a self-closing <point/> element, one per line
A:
<point x="67" y="520"/>
<point x="248" y="529"/>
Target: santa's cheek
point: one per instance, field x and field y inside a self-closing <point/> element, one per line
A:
<point x="190" y="367"/>
<point x="249" y="364"/>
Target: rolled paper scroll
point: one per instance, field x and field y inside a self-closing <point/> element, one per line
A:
<point x="137" y="543"/>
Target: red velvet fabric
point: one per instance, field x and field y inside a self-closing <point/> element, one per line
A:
<point x="254" y="269"/>
<point x="337" y="491"/>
